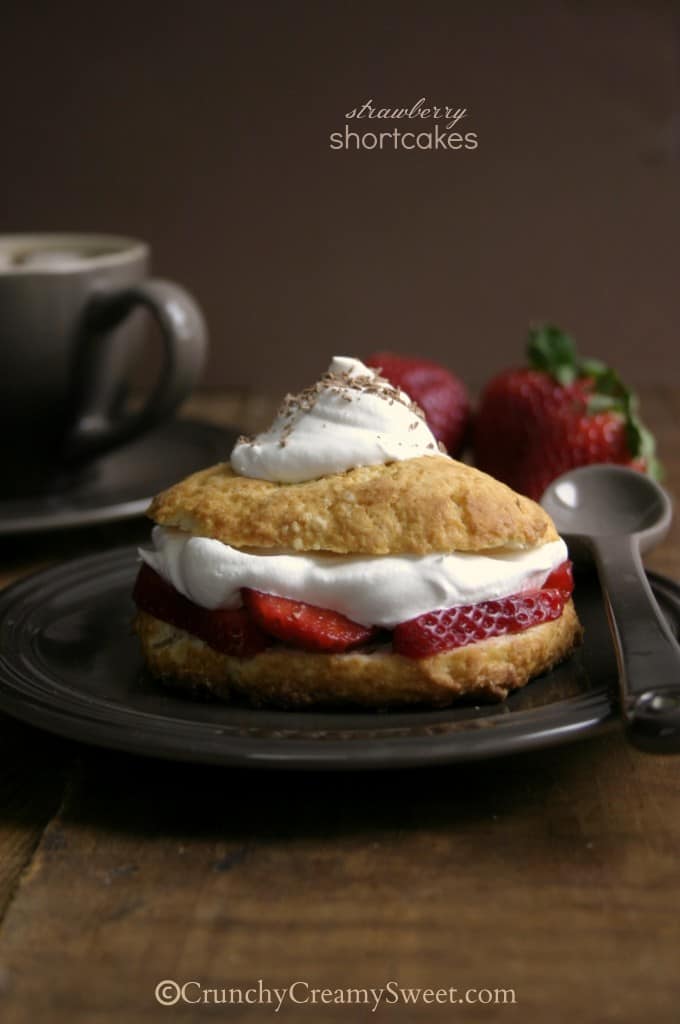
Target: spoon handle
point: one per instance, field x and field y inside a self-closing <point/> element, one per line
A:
<point x="647" y="652"/>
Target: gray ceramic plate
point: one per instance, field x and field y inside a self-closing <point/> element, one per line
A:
<point x="70" y="664"/>
<point x="120" y="485"/>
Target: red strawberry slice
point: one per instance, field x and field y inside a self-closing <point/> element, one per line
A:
<point x="231" y="631"/>
<point x="561" y="578"/>
<point x="536" y="423"/>
<point x="448" y="628"/>
<point x="441" y="395"/>
<point x="304" y="625"/>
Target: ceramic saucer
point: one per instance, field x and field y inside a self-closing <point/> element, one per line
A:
<point x="121" y="484"/>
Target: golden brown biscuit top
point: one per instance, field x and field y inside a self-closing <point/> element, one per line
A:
<point x="417" y="506"/>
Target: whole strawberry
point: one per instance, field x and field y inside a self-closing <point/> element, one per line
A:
<point x="561" y="412"/>
<point x="441" y="395"/>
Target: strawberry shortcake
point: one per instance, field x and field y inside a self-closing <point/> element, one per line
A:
<point x="341" y="557"/>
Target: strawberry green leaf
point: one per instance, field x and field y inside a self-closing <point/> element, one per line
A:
<point x="609" y="392"/>
<point x="641" y="441"/>
<point x="603" y="403"/>
<point x="605" y="380"/>
<point x="591" y="367"/>
<point x="656" y="470"/>
<point x="551" y="350"/>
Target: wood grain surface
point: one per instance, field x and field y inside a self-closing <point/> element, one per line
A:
<point x="553" y="874"/>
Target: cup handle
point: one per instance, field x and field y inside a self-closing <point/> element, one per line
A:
<point x="98" y="374"/>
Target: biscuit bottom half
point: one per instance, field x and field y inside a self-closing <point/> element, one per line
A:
<point x="375" y="677"/>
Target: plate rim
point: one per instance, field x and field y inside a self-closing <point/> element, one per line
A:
<point x="139" y="732"/>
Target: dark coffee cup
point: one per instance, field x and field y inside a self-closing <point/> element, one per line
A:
<point x="68" y="336"/>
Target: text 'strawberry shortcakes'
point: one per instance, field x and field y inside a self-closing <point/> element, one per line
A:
<point x="342" y="558"/>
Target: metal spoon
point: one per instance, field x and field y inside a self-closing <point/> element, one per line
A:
<point x="616" y="514"/>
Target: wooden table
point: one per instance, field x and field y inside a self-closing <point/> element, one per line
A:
<point x="554" y="874"/>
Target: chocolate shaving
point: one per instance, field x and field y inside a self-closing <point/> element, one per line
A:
<point x="347" y="387"/>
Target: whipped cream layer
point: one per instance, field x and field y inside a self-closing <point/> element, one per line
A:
<point x="351" y="417"/>
<point x="381" y="590"/>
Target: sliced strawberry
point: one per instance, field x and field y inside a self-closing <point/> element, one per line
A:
<point x="439" y="393"/>
<point x="230" y="631"/>
<point x="561" y="578"/>
<point x="153" y="595"/>
<point x="448" y="628"/>
<point x="304" y="625"/>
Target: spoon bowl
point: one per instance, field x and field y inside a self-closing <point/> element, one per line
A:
<point x="614" y="514"/>
<point x="596" y="501"/>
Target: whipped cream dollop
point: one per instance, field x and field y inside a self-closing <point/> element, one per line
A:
<point x="351" y="417"/>
<point x="380" y="590"/>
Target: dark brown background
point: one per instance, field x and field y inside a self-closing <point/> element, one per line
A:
<point x="203" y="127"/>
